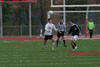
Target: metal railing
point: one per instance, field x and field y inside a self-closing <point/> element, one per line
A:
<point x="20" y="30"/>
<point x="24" y="30"/>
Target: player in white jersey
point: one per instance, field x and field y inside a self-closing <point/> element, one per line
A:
<point x="48" y="33"/>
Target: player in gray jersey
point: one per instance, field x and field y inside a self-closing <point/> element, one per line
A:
<point x="61" y="31"/>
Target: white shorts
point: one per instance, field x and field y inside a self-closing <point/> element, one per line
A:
<point x="75" y="37"/>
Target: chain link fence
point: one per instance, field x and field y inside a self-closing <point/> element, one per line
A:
<point x="15" y="18"/>
<point x="24" y="30"/>
<point x="20" y="30"/>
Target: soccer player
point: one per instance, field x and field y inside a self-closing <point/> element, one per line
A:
<point x="61" y="30"/>
<point x="48" y="33"/>
<point x="75" y="31"/>
<point x="90" y="27"/>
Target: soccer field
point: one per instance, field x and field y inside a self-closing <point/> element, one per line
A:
<point x="30" y="54"/>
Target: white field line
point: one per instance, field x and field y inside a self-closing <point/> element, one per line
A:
<point x="50" y="62"/>
<point x="45" y="60"/>
<point x="32" y="57"/>
<point x="70" y="58"/>
<point x="81" y="38"/>
<point x="36" y="56"/>
<point x="44" y="54"/>
<point x="39" y="56"/>
<point x="62" y="63"/>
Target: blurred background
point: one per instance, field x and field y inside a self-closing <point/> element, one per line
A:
<point x="15" y="16"/>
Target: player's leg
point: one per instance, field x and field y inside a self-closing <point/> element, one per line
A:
<point x="91" y="33"/>
<point x="53" y="43"/>
<point x="45" y="40"/>
<point x="58" y="37"/>
<point x="75" y="39"/>
<point x="57" y="41"/>
<point x="74" y="46"/>
<point x="73" y="42"/>
<point x="44" y="43"/>
<point x="64" y="42"/>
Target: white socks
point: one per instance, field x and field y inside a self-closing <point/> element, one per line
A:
<point x="53" y="44"/>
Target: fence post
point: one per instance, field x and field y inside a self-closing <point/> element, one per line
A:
<point x="64" y="13"/>
<point x="30" y="21"/>
<point x="1" y="28"/>
<point x="86" y="22"/>
<point x="21" y="31"/>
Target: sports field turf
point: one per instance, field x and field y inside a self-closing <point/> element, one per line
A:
<point x="30" y="54"/>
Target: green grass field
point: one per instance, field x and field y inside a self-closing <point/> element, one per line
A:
<point x="29" y="54"/>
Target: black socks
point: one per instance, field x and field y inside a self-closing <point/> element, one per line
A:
<point x="73" y="46"/>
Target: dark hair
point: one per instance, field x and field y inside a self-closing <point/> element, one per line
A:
<point x="90" y="19"/>
<point x="49" y="19"/>
<point x="71" y="20"/>
<point x="61" y="19"/>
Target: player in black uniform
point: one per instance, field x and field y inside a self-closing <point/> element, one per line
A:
<point x="75" y="31"/>
<point x="61" y="31"/>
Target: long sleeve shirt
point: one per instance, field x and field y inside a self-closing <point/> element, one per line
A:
<point x="74" y="30"/>
<point x="49" y="28"/>
<point x="90" y="25"/>
<point x="61" y="27"/>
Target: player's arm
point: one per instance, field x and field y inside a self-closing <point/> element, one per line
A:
<point x="70" y="30"/>
<point x="55" y="28"/>
<point x="79" y="29"/>
<point x="88" y="26"/>
<point x="58" y="26"/>
<point x="93" y="25"/>
<point x="64" y="28"/>
<point x="46" y="27"/>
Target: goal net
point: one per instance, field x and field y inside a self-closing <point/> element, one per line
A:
<point x="80" y="19"/>
<point x="80" y="13"/>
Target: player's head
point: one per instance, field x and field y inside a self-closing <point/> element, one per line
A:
<point x="50" y="20"/>
<point x="71" y="22"/>
<point x="61" y="21"/>
<point x="91" y="19"/>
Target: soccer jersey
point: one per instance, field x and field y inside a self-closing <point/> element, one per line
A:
<point x="49" y="28"/>
<point x="90" y="25"/>
<point x="61" y="27"/>
<point x="74" y="30"/>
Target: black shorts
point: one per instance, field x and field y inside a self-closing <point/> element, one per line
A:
<point x="60" y="34"/>
<point x="48" y="37"/>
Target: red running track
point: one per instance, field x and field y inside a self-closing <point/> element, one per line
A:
<point x="37" y="37"/>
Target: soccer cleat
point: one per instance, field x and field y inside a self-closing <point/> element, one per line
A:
<point x="56" y="45"/>
<point x="43" y="48"/>
<point x="75" y="47"/>
<point x="65" y="45"/>
<point x="90" y="38"/>
<point x="73" y="50"/>
<point x="52" y="49"/>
